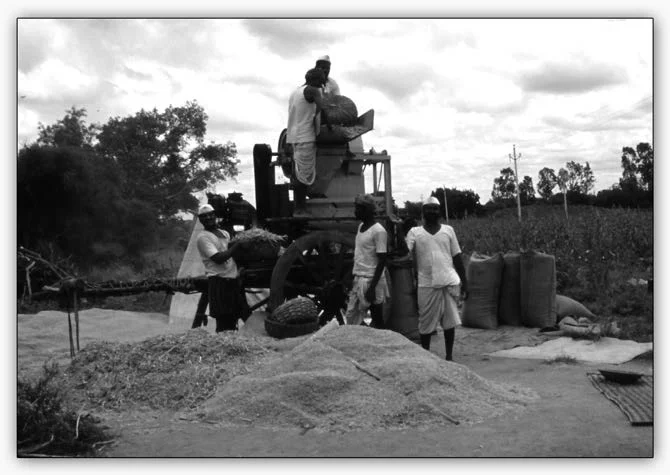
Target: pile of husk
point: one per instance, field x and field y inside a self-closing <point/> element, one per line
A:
<point x="358" y="378"/>
<point x="257" y="244"/>
<point x="166" y="372"/>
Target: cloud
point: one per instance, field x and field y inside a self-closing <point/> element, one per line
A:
<point x="397" y="82"/>
<point x="572" y="77"/>
<point x="292" y="37"/>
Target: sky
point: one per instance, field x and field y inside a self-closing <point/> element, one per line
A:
<point x="452" y="96"/>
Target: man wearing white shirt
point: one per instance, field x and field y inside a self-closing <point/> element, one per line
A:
<point x="440" y="275"/>
<point x="370" y="287"/>
<point x="225" y="293"/>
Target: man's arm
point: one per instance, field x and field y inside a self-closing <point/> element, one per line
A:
<point x="460" y="269"/>
<point x="313" y="94"/>
<point x="381" y="263"/>
<point x="221" y="257"/>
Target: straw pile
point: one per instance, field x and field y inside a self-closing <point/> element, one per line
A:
<point x="356" y="378"/>
<point x="166" y="372"/>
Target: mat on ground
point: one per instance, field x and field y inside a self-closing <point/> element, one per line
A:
<point x="605" y="350"/>
<point x="635" y="400"/>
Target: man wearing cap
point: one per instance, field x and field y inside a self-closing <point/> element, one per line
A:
<point x="224" y="289"/>
<point x="304" y="124"/>
<point x="370" y="287"/>
<point x="440" y="274"/>
<point x="329" y="86"/>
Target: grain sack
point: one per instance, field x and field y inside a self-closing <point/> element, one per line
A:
<point x="509" y="307"/>
<point x="566" y="306"/>
<point x="481" y="308"/>
<point x="404" y="317"/>
<point x="538" y="289"/>
<point x="340" y="110"/>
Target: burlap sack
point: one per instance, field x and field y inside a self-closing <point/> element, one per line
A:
<point x="538" y="289"/>
<point x="509" y="308"/>
<point x="566" y="306"/>
<point x="481" y="308"/>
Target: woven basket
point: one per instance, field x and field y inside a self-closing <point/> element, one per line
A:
<point x="341" y="110"/>
<point x="289" y="330"/>
<point x="298" y="310"/>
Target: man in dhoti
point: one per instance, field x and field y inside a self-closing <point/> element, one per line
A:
<point x="370" y="287"/>
<point x="304" y="124"/>
<point x="441" y="278"/>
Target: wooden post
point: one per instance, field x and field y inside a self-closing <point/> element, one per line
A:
<point x="69" y="326"/>
<point x="76" y="314"/>
<point x="446" y="209"/>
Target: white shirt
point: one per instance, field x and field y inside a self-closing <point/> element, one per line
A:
<point x="301" y="118"/>
<point x="331" y="87"/>
<point x="434" y="256"/>
<point x="210" y="244"/>
<point x="368" y="244"/>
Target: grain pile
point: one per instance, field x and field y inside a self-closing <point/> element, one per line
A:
<point x="165" y="372"/>
<point x="356" y="378"/>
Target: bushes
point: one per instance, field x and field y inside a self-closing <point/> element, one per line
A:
<point x="46" y="426"/>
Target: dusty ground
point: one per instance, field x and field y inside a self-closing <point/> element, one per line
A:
<point x="571" y="419"/>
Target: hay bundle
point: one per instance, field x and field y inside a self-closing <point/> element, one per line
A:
<point x="256" y="244"/>
<point x="341" y="110"/>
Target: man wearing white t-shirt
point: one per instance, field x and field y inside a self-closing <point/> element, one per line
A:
<point x="370" y="288"/>
<point x="440" y="274"/>
<point x="225" y="293"/>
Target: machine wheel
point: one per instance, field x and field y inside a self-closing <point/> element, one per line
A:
<point x="285" y="154"/>
<point x="317" y="265"/>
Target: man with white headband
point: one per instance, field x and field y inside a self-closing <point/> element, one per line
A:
<point x="440" y="274"/>
<point x="224" y="289"/>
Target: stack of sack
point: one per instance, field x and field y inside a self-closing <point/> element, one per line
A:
<point x="517" y="288"/>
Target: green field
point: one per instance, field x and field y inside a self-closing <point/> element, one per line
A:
<point x="597" y="251"/>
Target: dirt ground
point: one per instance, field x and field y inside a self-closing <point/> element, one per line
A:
<point x="571" y="419"/>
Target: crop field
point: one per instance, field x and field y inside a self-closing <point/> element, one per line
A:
<point x="597" y="252"/>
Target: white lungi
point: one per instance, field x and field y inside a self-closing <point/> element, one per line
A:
<point x="438" y="305"/>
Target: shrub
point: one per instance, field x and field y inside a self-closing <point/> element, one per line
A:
<point x="47" y="426"/>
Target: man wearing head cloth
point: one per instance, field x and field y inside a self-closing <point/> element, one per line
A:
<point x="225" y="293"/>
<point x="441" y="279"/>
<point x="370" y="288"/>
<point x="330" y="86"/>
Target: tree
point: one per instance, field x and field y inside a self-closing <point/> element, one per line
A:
<point x="580" y="177"/>
<point x="461" y="204"/>
<point x="526" y="190"/>
<point x="546" y="183"/>
<point x="70" y="131"/>
<point x="164" y="158"/>
<point x="638" y="168"/>
<point x="70" y="200"/>
<point x="504" y="186"/>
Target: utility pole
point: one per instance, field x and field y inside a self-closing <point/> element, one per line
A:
<point x="446" y="209"/>
<point x="516" y="157"/>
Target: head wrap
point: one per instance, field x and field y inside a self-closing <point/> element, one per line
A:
<point x="366" y="200"/>
<point x="205" y="209"/>
<point x="325" y="58"/>
<point x="431" y="200"/>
